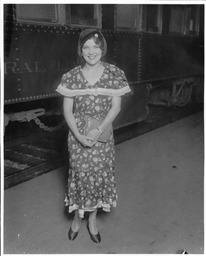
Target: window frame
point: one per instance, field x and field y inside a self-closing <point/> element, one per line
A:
<point x="40" y="21"/>
<point x="197" y="22"/>
<point x="182" y="25"/>
<point x="160" y="17"/>
<point x="184" y="28"/>
<point x="61" y="17"/>
<point x="98" y="10"/>
<point x="137" y="18"/>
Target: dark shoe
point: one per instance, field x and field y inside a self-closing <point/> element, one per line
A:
<point x="72" y="235"/>
<point x="95" y="238"/>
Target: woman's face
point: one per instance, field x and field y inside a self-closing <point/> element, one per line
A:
<point x="91" y="52"/>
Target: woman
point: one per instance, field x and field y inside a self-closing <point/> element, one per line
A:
<point x="91" y="90"/>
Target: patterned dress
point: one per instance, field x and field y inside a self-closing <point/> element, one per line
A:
<point x="91" y="181"/>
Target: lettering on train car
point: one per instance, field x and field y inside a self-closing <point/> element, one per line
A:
<point x="35" y="67"/>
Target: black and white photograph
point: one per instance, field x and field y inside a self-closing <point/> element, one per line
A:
<point x="102" y="135"/>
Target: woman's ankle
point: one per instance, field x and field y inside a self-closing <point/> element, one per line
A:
<point x="76" y="224"/>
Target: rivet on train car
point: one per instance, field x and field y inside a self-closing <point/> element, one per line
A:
<point x="19" y="79"/>
<point x="19" y="89"/>
<point x="17" y="49"/>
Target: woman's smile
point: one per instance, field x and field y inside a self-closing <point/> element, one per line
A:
<point x="92" y="56"/>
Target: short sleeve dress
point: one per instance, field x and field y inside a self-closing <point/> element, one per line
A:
<point x="91" y="179"/>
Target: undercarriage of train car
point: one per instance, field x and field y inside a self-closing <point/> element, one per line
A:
<point x="159" y="47"/>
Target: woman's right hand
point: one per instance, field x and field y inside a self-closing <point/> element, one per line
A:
<point x="85" y="141"/>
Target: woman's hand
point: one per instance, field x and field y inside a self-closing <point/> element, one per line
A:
<point x="85" y="140"/>
<point x="94" y="135"/>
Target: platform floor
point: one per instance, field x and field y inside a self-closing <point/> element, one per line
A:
<point x="160" y="178"/>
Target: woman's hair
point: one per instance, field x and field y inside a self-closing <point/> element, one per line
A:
<point x="94" y="34"/>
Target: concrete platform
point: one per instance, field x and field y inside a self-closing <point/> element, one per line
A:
<point x="160" y="178"/>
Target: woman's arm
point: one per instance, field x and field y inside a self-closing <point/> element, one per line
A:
<point x="115" y="109"/>
<point x="70" y="119"/>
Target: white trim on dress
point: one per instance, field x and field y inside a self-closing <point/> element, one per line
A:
<point x="92" y="91"/>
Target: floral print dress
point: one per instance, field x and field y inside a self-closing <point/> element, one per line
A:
<point x="91" y="181"/>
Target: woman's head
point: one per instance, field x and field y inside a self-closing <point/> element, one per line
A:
<point x="96" y="36"/>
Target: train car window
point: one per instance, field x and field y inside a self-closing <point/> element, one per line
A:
<point x="192" y="20"/>
<point x="152" y="18"/>
<point x="43" y="13"/>
<point x="184" y="20"/>
<point x="127" y="16"/>
<point x="176" y="25"/>
<point x="83" y="15"/>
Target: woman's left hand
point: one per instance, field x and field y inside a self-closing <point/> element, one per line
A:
<point x="94" y="135"/>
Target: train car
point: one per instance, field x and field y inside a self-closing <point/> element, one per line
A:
<point x="160" y="48"/>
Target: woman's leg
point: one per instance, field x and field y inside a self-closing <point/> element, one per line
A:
<point x="92" y="226"/>
<point x="93" y="222"/>
<point x="76" y="224"/>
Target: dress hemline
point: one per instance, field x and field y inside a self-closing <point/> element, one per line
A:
<point x="105" y="207"/>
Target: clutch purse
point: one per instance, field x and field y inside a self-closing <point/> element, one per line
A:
<point x="92" y="123"/>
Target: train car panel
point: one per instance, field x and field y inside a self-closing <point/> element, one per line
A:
<point x="127" y="54"/>
<point x="167" y="57"/>
<point x="37" y="59"/>
<point x="134" y="106"/>
<point x="109" y="37"/>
